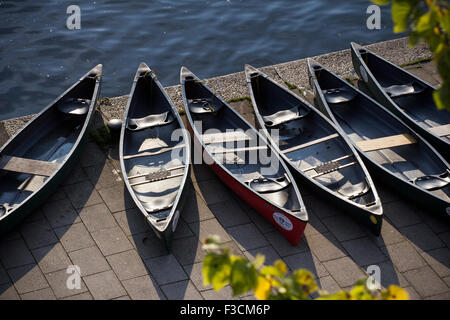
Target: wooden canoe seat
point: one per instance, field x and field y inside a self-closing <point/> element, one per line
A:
<point x="311" y="143"/>
<point x="386" y="142"/>
<point x="29" y="166"/>
<point x="441" y="131"/>
<point x="222" y="137"/>
<point x="149" y="154"/>
<point x="231" y="150"/>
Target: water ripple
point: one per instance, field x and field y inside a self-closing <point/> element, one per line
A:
<point x="40" y="57"/>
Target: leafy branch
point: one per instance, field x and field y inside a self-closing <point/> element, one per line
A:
<point x="429" y="21"/>
<point x="274" y="282"/>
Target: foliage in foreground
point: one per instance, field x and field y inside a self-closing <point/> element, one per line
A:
<point x="273" y="282"/>
<point x="427" y="20"/>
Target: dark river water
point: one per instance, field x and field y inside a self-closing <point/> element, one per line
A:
<point x="40" y="57"/>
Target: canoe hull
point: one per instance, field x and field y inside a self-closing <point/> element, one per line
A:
<point x="36" y="199"/>
<point x="167" y="234"/>
<point x="441" y="146"/>
<point x="369" y="215"/>
<point x="262" y="206"/>
<point x="373" y="221"/>
<point x="427" y="201"/>
<point x="165" y="228"/>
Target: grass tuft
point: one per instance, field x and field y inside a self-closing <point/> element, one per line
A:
<point x="290" y="85"/>
<point x="240" y="99"/>
<point x="102" y="136"/>
<point x="104" y="101"/>
<point x="412" y="63"/>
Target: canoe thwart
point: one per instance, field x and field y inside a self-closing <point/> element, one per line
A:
<point x="29" y="166"/>
<point x="311" y="143"/>
<point x="441" y="131"/>
<point x="386" y="142"/>
<point x="231" y="150"/>
<point x="149" y="154"/>
<point x="222" y="137"/>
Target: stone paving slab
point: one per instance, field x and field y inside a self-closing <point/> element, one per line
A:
<point x="91" y="222"/>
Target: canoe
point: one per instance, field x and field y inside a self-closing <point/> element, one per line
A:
<point x="392" y="151"/>
<point x="242" y="158"/>
<point x="38" y="158"/>
<point x="406" y="95"/>
<point x="154" y="154"/>
<point x="316" y="152"/>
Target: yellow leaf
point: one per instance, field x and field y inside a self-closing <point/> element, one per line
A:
<point x="395" y="293"/>
<point x="262" y="290"/>
<point x="281" y="266"/>
<point x="259" y="260"/>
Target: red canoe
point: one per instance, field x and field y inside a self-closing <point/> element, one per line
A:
<point x="242" y="158"/>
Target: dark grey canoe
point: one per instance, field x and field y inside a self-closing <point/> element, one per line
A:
<point x="154" y="154"/>
<point x="316" y="151"/>
<point x="406" y="95"/>
<point x="242" y="158"/>
<point x="391" y="150"/>
<point x="38" y="158"/>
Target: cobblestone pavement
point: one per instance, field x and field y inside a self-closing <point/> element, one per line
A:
<point x="92" y="222"/>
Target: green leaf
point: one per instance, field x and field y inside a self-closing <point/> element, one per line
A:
<point x="259" y="260"/>
<point x="278" y="269"/>
<point x="444" y="64"/>
<point x="340" y="295"/>
<point x="413" y="38"/>
<point x="441" y="98"/>
<point x="271" y="271"/>
<point x="381" y="2"/>
<point x="243" y="276"/>
<point x="401" y="10"/>
<point x="425" y="23"/>
<point x="305" y="280"/>
<point x="444" y="18"/>
<point x="360" y="292"/>
<point x="216" y="270"/>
